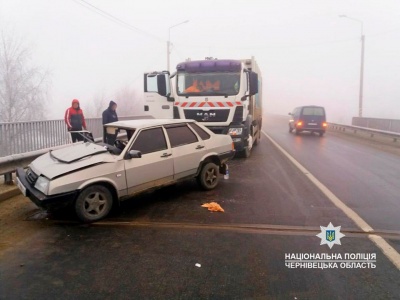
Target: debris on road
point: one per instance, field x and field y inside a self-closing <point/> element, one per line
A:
<point x="213" y="206"/>
<point x="198" y="265"/>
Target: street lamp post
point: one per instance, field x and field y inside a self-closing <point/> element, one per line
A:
<point x="360" y="101"/>
<point x="169" y="41"/>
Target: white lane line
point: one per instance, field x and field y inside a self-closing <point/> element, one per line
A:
<point x="388" y="250"/>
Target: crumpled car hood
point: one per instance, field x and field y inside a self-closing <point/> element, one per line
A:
<point x="69" y="159"/>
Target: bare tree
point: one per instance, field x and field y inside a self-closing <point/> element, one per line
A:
<point x="22" y="86"/>
<point x="98" y="104"/>
<point x="128" y="102"/>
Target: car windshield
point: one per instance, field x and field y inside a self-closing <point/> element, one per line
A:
<point x="208" y="84"/>
<point x="117" y="138"/>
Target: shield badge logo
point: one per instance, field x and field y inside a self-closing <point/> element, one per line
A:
<point x="330" y="235"/>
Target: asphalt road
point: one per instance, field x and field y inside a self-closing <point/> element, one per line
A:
<point x="364" y="175"/>
<point x="149" y="248"/>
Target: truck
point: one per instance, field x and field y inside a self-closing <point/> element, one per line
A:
<point x="222" y="94"/>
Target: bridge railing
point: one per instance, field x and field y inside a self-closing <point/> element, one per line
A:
<point x="22" y="142"/>
<point x="22" y="137"/>
<point x="382" y="136"/>
<point x="390" y="125"/>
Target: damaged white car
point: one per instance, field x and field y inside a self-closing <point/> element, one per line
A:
<point x="146" y="154"/>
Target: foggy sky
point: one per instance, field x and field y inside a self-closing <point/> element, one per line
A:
<point x="307" y="54"/>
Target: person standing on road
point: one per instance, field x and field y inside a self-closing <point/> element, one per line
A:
<point x="109" y="116"/>
<point x="75" y="121"/>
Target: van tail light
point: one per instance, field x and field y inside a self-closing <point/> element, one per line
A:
<point x="324" y="124"/>
<point x="299" y="124"/>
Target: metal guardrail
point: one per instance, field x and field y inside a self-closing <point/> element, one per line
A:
<point x="389" y="125"/>
<point x="366" y="132"/>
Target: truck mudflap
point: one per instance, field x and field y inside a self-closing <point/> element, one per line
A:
<point x="224" y="157"/>
<point x="223" y="169"/>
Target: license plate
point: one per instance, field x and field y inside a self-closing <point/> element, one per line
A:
<point x="312" y="124"/>
<point x="21" y="186"/>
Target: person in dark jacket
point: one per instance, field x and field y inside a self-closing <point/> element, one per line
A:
<point x="75" y="120"/>
<point x="109" y="116"/>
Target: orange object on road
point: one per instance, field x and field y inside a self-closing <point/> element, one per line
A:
<point x="213" y="206"/>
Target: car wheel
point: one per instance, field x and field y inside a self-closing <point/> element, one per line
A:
<point x="321" y="133"/>
<point x="290" y="129"/>
<point x="93" y="203"/>
<point x="209" y="176"/>
<point x="296" y="132"/>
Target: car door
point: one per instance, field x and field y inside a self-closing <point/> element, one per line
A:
<point x="156" y="96"/>
<point x="187" y="149"/>
<point x="155" y="167"/>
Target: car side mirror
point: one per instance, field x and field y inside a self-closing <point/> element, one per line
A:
<point x="289" y="114"/>
<point x="134" y="154"/>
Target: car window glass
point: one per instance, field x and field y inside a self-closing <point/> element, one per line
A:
<point x="313" y="111"/>
<point x="150" y="140"/>
<point x="181" y="135"/>
<point x="204" y="135"/>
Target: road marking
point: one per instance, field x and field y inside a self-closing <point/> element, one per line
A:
<point x="387" y="250"/>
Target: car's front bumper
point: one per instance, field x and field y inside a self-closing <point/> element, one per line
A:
<point x="42" y="200"/>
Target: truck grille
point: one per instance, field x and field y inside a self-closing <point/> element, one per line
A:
<point x="217" y="115"/>
<point x="31" y="177"/>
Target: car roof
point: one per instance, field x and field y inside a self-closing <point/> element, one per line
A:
<point x="310" y="106"/>
<point x="147" y="123"/>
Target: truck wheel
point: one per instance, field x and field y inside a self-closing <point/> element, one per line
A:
<point x="93" y="203"/>
<point x="246" y="152"/>
<point x="209" y="176"/>
<point x="258" y="137"/>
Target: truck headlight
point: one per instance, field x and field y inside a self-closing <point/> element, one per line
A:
<point x="42" y="184"/>
<point x="235" y="131"/>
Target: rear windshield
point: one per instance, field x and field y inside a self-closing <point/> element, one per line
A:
<point x="313" y="111"/>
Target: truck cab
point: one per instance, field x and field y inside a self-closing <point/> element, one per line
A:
<point x="224" y="95"/>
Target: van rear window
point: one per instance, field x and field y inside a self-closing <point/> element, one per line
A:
<point x="313" y="111"/>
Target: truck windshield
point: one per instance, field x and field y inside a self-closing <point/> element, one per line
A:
<point x="210" y="84"/>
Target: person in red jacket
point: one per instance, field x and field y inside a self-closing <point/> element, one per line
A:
<point x="75" y="120"/>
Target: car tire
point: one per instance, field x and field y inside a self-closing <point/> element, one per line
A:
<point x="93" y="203"/>
<point x="296" y="132"/>
<point x="209" y="176"/>
<point x="321" y="133"/>
<point x="290" y="129"/>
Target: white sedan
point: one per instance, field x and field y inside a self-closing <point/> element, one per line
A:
<point x="146" y="154"/>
